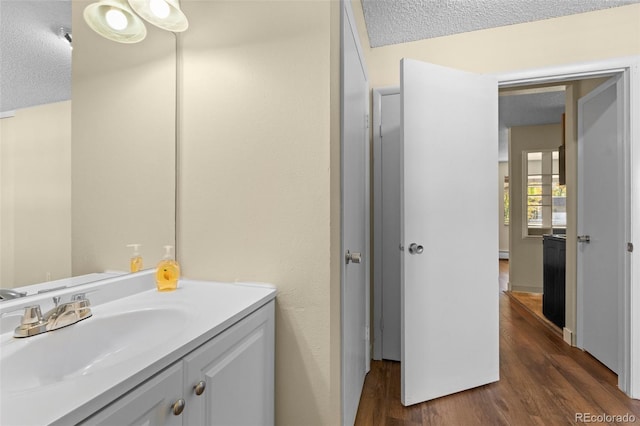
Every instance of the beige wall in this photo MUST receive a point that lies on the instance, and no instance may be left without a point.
(525, 255)
(503, 238)
(257, 188)
(35, 176)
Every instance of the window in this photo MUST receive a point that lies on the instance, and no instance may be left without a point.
(545, 201)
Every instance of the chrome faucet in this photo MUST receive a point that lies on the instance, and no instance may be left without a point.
(61, 315)
(7, 293)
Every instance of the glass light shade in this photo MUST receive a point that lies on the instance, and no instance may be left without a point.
(152, 10)
(114, 19)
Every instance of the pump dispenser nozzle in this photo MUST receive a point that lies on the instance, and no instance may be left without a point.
(135, 263)
(167, 252)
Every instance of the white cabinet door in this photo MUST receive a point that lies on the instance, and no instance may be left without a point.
(237, 368)
(149, 404)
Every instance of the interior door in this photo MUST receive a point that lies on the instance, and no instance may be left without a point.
(355, 138)
(601, 239)
(450, 235)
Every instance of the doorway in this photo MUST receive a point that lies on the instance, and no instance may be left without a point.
(512, 80)
(532, 139)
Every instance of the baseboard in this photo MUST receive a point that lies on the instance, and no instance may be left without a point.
(567, 336)
(525, 289)
(503, 254)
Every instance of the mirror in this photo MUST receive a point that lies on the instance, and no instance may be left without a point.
(111, 150)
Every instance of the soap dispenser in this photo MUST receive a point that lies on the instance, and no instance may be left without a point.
(135, 263)
(168, 272)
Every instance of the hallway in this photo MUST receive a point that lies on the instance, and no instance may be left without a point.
(543, 382)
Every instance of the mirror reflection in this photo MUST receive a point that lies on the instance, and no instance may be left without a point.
(83, 178)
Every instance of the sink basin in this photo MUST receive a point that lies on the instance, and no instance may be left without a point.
(98, 342)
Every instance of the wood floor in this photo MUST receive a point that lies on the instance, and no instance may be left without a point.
(532, 302)
(543, 381)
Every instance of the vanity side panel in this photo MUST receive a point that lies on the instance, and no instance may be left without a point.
(237, 368)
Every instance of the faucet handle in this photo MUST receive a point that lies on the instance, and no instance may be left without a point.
(82, 296)
(32, 315)
(80, 301)
(78, 296)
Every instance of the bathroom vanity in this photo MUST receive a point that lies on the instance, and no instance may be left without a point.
(203, 354)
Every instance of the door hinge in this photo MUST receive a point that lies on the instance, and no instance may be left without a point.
(366, 334)
(630, 247)
(380, 128)
(366, 121)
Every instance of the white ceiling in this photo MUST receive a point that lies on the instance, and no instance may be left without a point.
(400, 21)
(35, 62)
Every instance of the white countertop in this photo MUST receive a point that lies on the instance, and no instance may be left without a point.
(210, 308)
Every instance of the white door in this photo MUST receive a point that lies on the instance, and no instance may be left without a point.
(391, 237)
(355, 138)
(601, 246)
(450, 236)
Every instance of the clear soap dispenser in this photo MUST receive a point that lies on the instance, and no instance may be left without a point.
(135, 263)
(168, 272)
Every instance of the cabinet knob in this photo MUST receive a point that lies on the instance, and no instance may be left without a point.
(178, 407)
(200, 387)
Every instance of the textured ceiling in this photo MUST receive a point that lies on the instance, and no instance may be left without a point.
(35, 62)
(531, 109)
(527, 109)
(399, 21)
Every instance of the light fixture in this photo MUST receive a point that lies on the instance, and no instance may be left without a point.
(114, 19)
(165, 14)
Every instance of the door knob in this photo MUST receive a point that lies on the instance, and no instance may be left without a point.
(415, 248)
(584, 238)
(354, 257)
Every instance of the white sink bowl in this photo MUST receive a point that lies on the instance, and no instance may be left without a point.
(104, 340)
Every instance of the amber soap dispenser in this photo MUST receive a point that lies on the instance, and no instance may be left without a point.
(168, 272)
(135, 263)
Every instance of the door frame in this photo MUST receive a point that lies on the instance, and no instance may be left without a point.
(377, 95)
(629, 376)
